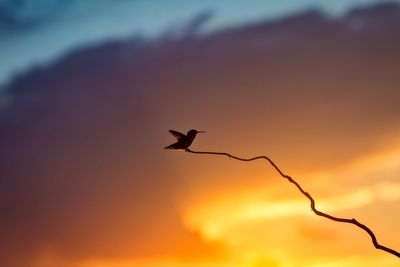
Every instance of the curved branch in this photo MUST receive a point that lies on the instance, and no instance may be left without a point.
(312, 201)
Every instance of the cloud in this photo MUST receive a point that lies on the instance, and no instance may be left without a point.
(17, 16)
(38, 33)
(82, 171)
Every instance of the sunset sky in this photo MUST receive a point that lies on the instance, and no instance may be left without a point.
(89, 90)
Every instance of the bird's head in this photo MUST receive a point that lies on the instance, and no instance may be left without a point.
(194, 132)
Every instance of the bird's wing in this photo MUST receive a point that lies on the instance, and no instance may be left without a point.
(177, 135)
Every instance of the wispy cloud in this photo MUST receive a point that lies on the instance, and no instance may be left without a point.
(52, 28)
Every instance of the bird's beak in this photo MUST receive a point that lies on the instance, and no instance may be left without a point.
(200, 131)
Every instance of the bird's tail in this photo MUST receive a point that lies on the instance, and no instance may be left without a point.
(169, 147)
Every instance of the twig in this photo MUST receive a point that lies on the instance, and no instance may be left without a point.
(312, 201)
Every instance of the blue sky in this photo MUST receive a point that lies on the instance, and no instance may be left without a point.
(40, 32)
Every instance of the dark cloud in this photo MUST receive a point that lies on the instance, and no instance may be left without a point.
(7, 21)
(81, 165)
(198, 22)
(16, 15)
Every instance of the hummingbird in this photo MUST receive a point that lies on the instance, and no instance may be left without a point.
(184, 141)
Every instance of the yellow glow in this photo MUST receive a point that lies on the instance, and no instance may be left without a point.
(215, 218)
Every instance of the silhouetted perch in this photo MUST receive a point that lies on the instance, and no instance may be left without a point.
(312, 201)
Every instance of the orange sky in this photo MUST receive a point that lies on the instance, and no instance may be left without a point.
(268, 223)
(85, 181)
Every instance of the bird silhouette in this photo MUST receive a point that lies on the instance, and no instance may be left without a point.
(184, 141)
